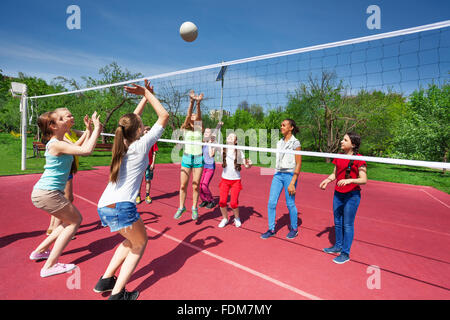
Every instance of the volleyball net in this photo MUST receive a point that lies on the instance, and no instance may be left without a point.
(341, 80)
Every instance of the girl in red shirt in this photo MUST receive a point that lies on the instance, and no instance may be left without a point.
(349, 175)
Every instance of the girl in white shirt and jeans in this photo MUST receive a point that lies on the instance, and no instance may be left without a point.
(117, 207)
(287, 171)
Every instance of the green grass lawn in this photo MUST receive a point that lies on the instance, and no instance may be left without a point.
(10, 150)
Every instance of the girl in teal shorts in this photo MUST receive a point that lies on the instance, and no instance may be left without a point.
(192, 160)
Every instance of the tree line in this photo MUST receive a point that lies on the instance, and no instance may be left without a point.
(391, 124)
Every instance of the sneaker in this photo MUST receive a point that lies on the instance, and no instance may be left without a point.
(342, 258)
(179, 213)
(237, 222)
(211, 205)
(203, 204)
(267, 234)
(40, 256)
(194, 213)
(58, 268)
(125, 295)
(333, 249)
(223, 223)
(292, 234)
(138, 199)
(148, 199)
(105, 285)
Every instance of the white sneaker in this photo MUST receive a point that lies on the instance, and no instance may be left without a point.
(237, 222)
(223, 223)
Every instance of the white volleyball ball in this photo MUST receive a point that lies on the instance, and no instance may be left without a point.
(188, 31)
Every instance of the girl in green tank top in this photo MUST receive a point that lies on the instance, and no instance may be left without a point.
(192, 161)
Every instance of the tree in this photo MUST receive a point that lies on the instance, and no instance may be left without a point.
(424, 133)
(322, 108)
(105, 101)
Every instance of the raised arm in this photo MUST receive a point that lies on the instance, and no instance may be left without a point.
(140, 107)
(86, 149)
(189, 112)
(163, 115)
(199, 98)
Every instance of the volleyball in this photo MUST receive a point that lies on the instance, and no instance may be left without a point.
(188, 31)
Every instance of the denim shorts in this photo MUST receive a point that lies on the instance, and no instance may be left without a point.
(122, 216)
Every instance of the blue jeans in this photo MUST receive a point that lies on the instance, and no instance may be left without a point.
(345, 206)
(281, 180)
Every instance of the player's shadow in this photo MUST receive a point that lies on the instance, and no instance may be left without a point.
(331, 234)
(166, 195)
(174, 260)
(102, 245)
(7, 240)
(96, 225)
(285, 221)
(154, 218)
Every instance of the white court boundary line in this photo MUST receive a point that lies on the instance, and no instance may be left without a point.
(435, 198)
(228, 261)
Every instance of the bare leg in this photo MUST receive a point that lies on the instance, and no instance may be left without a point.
(137, 237)
(71, 220)
(224, 211)
(118, 258)
(184, 178)
(196, 175)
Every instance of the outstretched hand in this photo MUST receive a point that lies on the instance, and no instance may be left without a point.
(137, 89)
(87, 122)
(199, 97)
(148, 86)
(96, 120)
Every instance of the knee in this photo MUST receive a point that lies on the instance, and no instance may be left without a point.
(234, 204)
(222, 202)
(139, 245)
(272, 204)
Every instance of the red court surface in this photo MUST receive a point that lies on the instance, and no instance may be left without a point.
(403, 230)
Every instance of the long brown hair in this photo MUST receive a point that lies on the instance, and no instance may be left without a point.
(44, 121)
(128, 128)
(237, 165)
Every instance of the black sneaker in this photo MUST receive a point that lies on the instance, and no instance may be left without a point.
(125, 295)
(203, 204)
(105, 285)
(211, 205)
(267, 234)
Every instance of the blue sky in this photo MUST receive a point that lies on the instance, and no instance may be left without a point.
(142, 36)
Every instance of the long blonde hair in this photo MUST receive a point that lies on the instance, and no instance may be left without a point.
(128, 130)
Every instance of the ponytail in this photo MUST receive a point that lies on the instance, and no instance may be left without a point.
(119, 149)
(127, 130)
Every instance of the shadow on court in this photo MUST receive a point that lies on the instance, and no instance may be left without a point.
(174, 260)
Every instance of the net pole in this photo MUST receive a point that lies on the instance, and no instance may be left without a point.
(23, 129)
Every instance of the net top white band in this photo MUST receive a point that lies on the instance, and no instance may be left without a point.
(428, 27)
